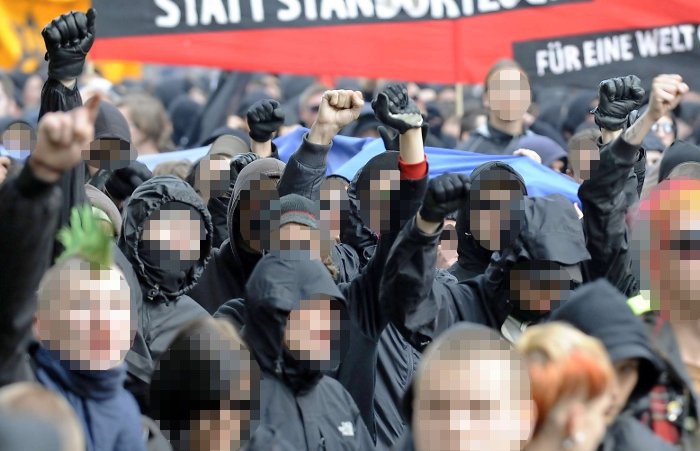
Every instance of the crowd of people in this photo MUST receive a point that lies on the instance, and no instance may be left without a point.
(242, 302)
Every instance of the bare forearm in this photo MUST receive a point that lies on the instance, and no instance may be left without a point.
(411, 146)
(637, 131)
(263, 150)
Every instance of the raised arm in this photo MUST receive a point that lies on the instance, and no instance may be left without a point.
(306, 168)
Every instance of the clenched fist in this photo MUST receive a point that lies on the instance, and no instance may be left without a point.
(68, 39)
(61, 139)
(338, 109)
(265, 117)
(666, 93)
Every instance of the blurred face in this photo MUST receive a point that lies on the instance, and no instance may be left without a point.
(584, 157)
(472, 405)
(375, 203)
(495, 214)
(19, 140)
(176, 234)
(508, 95)
(213, 176)
(297, 241)
(259, 213)
(539, 286)
(334, 199)
(217, 430)
(85, 315)
(310, 329)
(309, 111)
(31, 93)
(447, 249)
(664, 130)
(109, 154)
(626, 378)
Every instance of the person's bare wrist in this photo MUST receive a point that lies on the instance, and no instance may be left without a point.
(44, 172)
(427, 227)
(322, 134)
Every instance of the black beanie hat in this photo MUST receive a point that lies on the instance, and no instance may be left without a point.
(679, 152)
(601, 311)
(298, 209)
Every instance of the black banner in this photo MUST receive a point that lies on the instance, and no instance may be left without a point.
(152, 17)
(576, 60)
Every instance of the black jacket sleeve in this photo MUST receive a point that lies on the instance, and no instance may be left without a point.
(605, 204)
(57, 97)
(422, 307)
(29, 211)
(305, 170)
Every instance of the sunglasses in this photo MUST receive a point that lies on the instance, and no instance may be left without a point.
(665, 128)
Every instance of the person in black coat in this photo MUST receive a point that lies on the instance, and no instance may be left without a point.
(296, 327)
(599, 310)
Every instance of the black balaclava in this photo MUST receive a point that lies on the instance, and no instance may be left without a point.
(679, 152)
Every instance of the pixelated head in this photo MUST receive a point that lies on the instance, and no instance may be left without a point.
(584, 154)
(85, 314)
(26, 398)
(507, 91)
(298, 236)
(297, 319)
(205, 392)
(334, 208)
(166, 235)
(254, 208)
(447, 249)
(472, 392)
(18, 139)
(212, 176)
(572, 380)
(228, 146)
(666, 233)
(376, 184)
(539, 286)
(496, 209)
(111, 149)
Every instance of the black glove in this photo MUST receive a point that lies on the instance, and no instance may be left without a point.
(68, 39)
(618, 98)
(396, 109)
(265, 117)
(124, 181)
(239, 162)
(391, 138)
(445, 194)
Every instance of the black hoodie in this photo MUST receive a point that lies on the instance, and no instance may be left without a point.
(166, 306)
(310, 410)
(601, 311)
(472, 258)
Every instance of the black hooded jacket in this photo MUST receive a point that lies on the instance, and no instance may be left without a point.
(310, 410)
(473, 258)
(601, 311)
(166, 306)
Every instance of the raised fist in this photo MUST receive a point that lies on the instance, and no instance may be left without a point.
(445, 194)
(618, 98)
(396, 109)
(666, 93)
(68, 39)
(265, 117)
(339, 108)
(61, 138)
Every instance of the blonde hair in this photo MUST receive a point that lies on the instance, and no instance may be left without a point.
(148, 115)
(561, 361)
(39, 402)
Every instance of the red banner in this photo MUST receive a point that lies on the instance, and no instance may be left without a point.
(561, 41)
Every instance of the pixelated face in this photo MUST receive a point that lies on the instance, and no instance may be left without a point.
(495, 212)
(259, 208)
(85, 315)
(213, 176)
(19, 140)
(447, 249)
(508, 94)
(539, 285)
(109, 154)
(664, 130)
(375, 203)
(218, 430)
(626, 378)
(311, 329)
(333, 200)
(584, 157)
(678, 283)
(297, 242)
(477, 404)
(175, 233)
